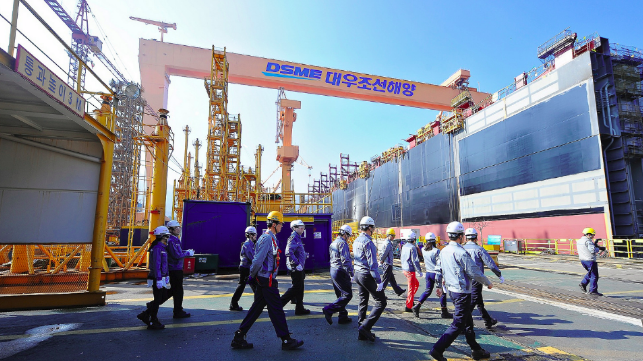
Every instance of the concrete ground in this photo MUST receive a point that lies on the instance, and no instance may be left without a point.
(531, 326)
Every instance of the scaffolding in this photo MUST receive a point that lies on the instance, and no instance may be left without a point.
(183, 188)
(128, 108)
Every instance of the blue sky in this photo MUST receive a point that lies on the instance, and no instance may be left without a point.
(423, 41)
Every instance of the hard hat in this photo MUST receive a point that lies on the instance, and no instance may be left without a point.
(296, 223)
(251, 229)
(390, 232)
(346, 229)
(161, 231)
(411, 236)
(471, 233)
(430, 237)
(455, 228)
(173, 223)
(589, 230)
(275, 216)
(367, 221)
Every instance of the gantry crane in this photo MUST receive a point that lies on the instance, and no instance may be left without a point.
(162, 26)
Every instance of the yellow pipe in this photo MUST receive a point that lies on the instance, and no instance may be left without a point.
(159, 178)
(114, 257)
(14, 27)
(102, 201)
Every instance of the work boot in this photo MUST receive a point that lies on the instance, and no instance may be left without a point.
(301, 312)
(416, 309)
(437, 356)
(181, 314)
(490, 323)
(446, 314)
(406, 309)
(145, 317)
(583, 287)
(595, 293)
(239, 341)
(155, 325)
(365, 335)
(328, 316)
(401, 294)
(344, 320)
(236, 308)
(480, 354)
(290, 343)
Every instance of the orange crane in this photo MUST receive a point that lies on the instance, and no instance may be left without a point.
(162, 26)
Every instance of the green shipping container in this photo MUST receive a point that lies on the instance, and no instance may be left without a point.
(206, 263)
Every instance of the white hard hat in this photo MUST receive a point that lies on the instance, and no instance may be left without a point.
(471, 233)
(430, 236)
(455, 228)
(367, 221)
(296, 223)
(173, 223)
(346, 229)
(161, 230)
(251, 229)
(412, 236)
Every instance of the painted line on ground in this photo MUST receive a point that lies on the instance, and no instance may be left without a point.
(223, 295)
(170, 325)
(619, 292)
(583, 310)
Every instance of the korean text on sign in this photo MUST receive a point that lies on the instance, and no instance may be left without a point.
(375, 84)
(36, 72)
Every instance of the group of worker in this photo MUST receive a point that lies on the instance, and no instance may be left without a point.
(457, 269)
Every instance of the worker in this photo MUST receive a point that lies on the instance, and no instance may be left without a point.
(410, 266)
(431, 252)
(481, 257)
(295, 261)
(458, 269)
(587, 250)
(160, 278)
(246, 255)
(368, 280)
(341, 272)
(386, 261)
(263, 271)
(175, 256)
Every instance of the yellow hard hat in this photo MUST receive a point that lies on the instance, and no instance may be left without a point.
(390, 232)
(275, 217)
(589, 230)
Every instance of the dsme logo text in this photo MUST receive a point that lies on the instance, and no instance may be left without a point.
(289, 71)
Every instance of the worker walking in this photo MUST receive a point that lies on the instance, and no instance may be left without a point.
(587, 250)
(175, 256)
(386, 261)
(481, 257)
(296, 259)
(160, 279)
(246, 255)
(368, 279)
(411, 266)
(263, 271)
(341, 272)
(430, 252)
(457, 269)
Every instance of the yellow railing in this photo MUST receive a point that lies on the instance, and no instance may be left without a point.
(617, 248)
(291, 202)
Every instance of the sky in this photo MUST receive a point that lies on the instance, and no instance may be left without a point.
(422, 41)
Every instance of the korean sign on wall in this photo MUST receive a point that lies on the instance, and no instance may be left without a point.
(38, 74)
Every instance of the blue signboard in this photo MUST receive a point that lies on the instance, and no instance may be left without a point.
(494, 240)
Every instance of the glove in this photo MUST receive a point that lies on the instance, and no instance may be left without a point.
(150, 283)
(190, 252)
(160, 284)
(167, 280)
(420, 275)
(438, 292)
(299, 268)
(380, 286)
(502, 279)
